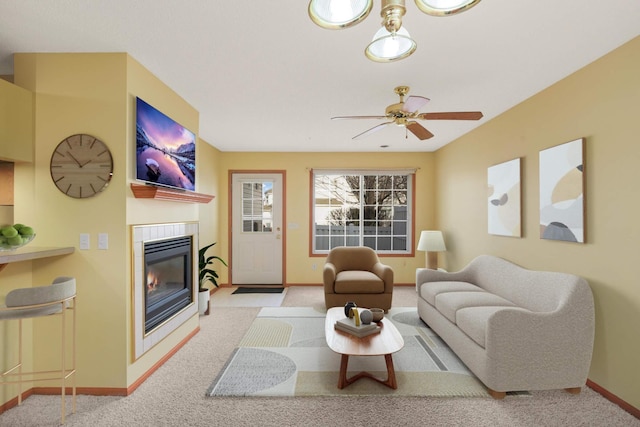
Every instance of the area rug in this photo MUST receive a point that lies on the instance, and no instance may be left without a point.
(284, 353)
(257, 290)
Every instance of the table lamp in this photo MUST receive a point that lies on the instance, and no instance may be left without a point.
(432, 242)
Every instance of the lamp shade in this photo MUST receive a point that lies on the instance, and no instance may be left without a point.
(431, 241)
(339, 14)
(445, 7)
(388, 47)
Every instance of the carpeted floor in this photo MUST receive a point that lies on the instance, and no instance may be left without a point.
(175, 394)
(284, 353)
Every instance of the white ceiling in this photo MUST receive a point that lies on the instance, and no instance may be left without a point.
(265, 78)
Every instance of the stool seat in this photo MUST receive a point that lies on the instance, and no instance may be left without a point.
(26, 303)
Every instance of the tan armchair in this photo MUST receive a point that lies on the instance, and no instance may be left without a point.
(354, 273)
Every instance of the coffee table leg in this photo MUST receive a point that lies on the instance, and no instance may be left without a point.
(342, 380)
(391, 373)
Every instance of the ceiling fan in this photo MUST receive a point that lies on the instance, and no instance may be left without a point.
(405, 113)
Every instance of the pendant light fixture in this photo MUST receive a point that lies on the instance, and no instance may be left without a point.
(392, 41)
(339, 14)
(445, 7)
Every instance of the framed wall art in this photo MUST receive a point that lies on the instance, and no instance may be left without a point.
(562, 178)
(504, 217)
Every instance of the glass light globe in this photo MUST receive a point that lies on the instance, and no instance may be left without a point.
(339, 14)
(388, 47)
(445, 7)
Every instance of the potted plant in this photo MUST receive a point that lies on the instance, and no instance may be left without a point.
(207, 274)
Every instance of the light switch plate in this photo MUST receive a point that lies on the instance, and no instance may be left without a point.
(103, 241)
(85, 242)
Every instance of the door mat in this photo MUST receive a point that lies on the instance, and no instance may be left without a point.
(265, 290)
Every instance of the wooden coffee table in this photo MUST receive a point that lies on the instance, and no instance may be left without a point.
(385, 343)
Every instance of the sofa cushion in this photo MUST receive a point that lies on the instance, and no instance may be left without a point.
(359, 282)
(429, 290)
(448, 303)
(473, 321)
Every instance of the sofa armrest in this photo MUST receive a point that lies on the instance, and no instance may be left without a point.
(566, 334)
(329, 273)
(424, 275)
(384, 272)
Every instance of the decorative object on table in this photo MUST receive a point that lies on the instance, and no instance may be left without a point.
(378, 314)
(81, 166)
(15, 236)
(355, 328)
(503, 181)
(432, 242)
(562, 178)
(347, 308)
(392, 41)
(355, 315)
(366, 316)
(206, 274)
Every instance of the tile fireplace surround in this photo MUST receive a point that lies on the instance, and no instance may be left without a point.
(145, 233)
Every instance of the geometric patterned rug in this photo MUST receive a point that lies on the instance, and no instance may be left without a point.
(284, 353)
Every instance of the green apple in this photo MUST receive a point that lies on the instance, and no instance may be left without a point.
(9, 231)
(25, 231)
(15, 240)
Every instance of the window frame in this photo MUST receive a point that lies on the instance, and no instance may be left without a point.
(410, 211)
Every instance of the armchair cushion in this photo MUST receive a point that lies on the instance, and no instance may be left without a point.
(363, 282)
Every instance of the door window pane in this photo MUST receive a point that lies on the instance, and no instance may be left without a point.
(257, 207)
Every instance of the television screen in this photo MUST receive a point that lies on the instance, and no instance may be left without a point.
(165, 150)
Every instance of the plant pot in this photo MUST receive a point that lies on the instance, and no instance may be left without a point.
(203, 302)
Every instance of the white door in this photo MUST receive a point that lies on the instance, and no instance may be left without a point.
(257, 232)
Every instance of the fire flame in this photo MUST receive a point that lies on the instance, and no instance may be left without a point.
(152, 282)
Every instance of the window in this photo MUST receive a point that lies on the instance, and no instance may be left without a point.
(362, 209)
(257, 204)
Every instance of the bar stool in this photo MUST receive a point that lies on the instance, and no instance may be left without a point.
(26, 303)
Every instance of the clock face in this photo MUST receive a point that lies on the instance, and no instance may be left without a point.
(81, 166)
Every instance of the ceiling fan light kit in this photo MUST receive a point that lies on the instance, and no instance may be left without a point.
(391, 42)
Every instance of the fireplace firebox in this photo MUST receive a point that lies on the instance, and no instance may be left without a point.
(168, 279)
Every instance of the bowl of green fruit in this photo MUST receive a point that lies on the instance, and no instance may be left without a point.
(15, 236)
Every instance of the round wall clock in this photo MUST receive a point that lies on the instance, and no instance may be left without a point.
(81, 166)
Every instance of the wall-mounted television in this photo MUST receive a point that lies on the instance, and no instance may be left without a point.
(165, 150)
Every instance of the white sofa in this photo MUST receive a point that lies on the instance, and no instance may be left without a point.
(515, 329)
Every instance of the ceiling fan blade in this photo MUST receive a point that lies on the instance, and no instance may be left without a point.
(458, 115)
(372, 130)
(414, 103)
(357, 117)
(418, 130)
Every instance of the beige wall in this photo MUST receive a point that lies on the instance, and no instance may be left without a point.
(95, 94)
(299, 265)
(600, 103)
